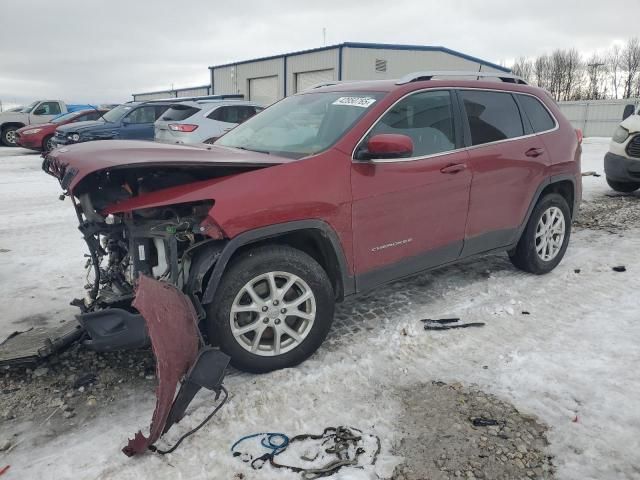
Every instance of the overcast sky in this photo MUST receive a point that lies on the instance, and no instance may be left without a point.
(105, 50)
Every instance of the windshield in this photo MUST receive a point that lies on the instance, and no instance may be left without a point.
(301, 125)
(117, 113)
(29, 107)
(64, 118)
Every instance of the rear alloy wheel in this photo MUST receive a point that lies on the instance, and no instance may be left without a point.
(623, 187)
(48, 144)
(546, 236)
(9, 136)
(273, 309)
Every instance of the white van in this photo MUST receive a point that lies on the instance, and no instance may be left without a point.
(622, 162)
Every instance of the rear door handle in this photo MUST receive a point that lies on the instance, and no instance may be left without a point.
(455, 168)
(534, 152)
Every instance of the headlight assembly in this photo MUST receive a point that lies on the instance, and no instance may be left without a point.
(31, 131)
(620, 135)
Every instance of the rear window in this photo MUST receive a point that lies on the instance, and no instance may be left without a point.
(493, 116)
(540, 118)
(233, 113)
(179, 112)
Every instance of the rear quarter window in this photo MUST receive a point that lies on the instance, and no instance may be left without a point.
(539, 117)
(492, 116)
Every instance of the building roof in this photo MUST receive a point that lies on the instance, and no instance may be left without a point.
(383, 46)
(173, 90)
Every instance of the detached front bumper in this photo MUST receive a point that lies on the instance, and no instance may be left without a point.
(621, 169)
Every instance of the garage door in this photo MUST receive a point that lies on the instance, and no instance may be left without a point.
(305, 80)
(263, 90)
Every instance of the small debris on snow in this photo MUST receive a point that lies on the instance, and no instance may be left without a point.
(591, 173)
(524, 312)
(619, 268)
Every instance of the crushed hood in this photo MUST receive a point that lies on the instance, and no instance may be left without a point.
(73, 163)
(82, 126)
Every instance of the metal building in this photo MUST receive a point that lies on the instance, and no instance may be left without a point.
(268, 79)
(175, 93)
(596, 118)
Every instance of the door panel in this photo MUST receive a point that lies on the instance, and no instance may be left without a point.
(409, 209)
(507, 169)
(410, 214)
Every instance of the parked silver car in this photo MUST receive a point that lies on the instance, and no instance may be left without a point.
(202, 121)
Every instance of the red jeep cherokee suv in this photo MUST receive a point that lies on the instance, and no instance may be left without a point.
(327, 193)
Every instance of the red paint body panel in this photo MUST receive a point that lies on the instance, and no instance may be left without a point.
(89, 157)
(504, 183)
(172, 324)
(411, 202)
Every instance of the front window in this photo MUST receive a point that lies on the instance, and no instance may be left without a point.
(301, 125)
(117, 113)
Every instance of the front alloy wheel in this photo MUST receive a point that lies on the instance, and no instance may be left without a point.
(273, 313)
(272, 309)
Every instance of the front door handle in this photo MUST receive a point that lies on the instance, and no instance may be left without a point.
(534, 152)
(455, 168)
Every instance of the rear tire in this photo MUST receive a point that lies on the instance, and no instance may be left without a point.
(8, 136)
(257, 324)
(546, 236)
(624, 187)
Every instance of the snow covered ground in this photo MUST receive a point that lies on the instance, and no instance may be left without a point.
(575, 355)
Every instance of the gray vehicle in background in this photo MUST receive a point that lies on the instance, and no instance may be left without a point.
(202, 121)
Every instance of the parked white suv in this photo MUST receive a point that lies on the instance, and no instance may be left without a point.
(622, 162)
(202, 121)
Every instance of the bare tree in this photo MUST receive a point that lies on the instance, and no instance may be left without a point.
(614, 63)
(631, 65)
(523, 67)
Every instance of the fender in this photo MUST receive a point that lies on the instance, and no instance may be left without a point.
(546, 183)
(252, 236)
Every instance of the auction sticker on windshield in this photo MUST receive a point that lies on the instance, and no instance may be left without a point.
(363, 102)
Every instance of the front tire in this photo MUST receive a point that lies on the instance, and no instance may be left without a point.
(8, 136)
(623, 187)
(273, 309)
(47, 144)
(546, 236)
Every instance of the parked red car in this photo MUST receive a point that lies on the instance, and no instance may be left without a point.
(39, 137)
(327, 193)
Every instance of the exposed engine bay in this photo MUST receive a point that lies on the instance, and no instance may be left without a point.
(161, 242)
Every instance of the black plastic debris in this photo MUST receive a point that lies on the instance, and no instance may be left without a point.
(483, 422)
(524, 312)
(619, 268)
(447, 324)
(591, 173)
(577, 270)
(85, 380)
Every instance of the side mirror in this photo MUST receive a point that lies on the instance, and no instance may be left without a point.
(126, 121)
(40, 111)
(386, 146)
(628, 111)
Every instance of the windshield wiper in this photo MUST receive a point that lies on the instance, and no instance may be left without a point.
(252, 150)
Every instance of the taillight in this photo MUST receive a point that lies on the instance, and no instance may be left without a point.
(579, 135)
(182, 127)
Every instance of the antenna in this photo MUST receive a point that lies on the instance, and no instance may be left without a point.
(324, 36)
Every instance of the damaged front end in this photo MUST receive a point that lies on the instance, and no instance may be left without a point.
(151, 246)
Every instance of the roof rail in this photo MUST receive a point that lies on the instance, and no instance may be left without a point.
(421, 76)
(324, 84)
(231, 96)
